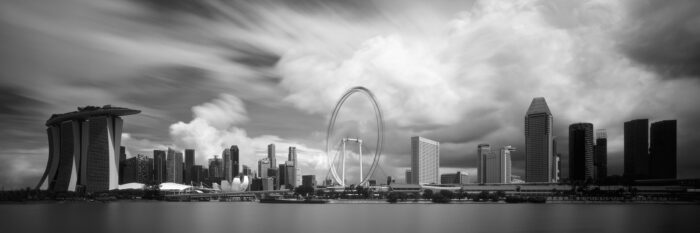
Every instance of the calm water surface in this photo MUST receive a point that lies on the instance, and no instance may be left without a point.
(352, 218)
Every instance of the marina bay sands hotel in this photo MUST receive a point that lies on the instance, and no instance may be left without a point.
(84, 149)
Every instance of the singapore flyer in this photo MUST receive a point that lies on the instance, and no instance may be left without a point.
(340, 178)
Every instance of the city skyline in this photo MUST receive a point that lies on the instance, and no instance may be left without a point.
(448, 71)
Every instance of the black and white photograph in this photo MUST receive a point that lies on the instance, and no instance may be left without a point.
(347, 116)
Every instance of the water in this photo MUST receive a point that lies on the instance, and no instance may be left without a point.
(126, 216)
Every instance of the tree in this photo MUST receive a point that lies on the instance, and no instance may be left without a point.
(428, 194)
(304, 190)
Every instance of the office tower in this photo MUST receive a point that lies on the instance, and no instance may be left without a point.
(197, 174)
(482, 151)
(235, 162)
(425, 160)
(282, 176)
(247, 171)
(454, 178)
(83, 147)
(256, 184)
(558, 167)
(297, 175)
(290, 175)
(122, 158)
(663, 149)
(600, 155)
(555, 161)
(538, 142)
(272, 172)
(636, 149)
(228, 164)
(263, 165)
(216, 169)
(580, 151)
(159, 167)
(268, 183)
(408, 176)
(292, 154)
(174, 169)
(498, 166)
(189, 163)
(271, 155)
(308, 180)
(137, 169)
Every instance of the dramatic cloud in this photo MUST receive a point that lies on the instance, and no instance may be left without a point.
(211, 74)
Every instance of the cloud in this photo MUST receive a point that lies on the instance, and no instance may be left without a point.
(216, 126)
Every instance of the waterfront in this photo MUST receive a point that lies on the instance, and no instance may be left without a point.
(145, 216)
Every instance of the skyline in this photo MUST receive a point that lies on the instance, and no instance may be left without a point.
(211, 76)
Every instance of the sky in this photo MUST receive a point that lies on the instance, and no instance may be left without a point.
(210, 74)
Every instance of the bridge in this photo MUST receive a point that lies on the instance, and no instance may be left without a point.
(223, 196)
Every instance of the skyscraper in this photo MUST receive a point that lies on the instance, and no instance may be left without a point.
(637, 149)
(498, 166)
(189, 164)
(408, 176)
(216, 169)
(663, 149)
(290, 175)
(282, 176)
(482, 151)
(292, 154)
(580, 151)
(83, 147)
(425, 160)
(556, 169)
(271, 155)
(263, 165)
(228, 164)
(600, 155)
(234, 161)
(174, 166)
(137, 169)
(122, 165)
(538, 142)
(159, 166)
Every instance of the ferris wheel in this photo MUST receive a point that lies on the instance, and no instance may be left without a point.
(340, 178)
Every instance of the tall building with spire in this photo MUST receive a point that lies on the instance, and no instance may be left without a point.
(538, 142)
(84, 149)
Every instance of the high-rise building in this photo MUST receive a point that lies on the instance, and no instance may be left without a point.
(263, 165)
(308, 180)
(271, 155)
(268, 183)
(292, 154)
(556, 169)
(189, 163)
(282, 176)
(174, 169)
(122, 165)
(228, 164)
(272, 172)
(247, 171)
(663, 149)
(600, 154)
(83, 147)
(454, 178)
(216, 169)
(235, 162)
(137, 169)
(408, 176)
(482, 151)
(637, 149)
(290, 175)
(538, 142)
(425, 160)
(159, 166)
(498, 166)
(580, 152)
(197, 174)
